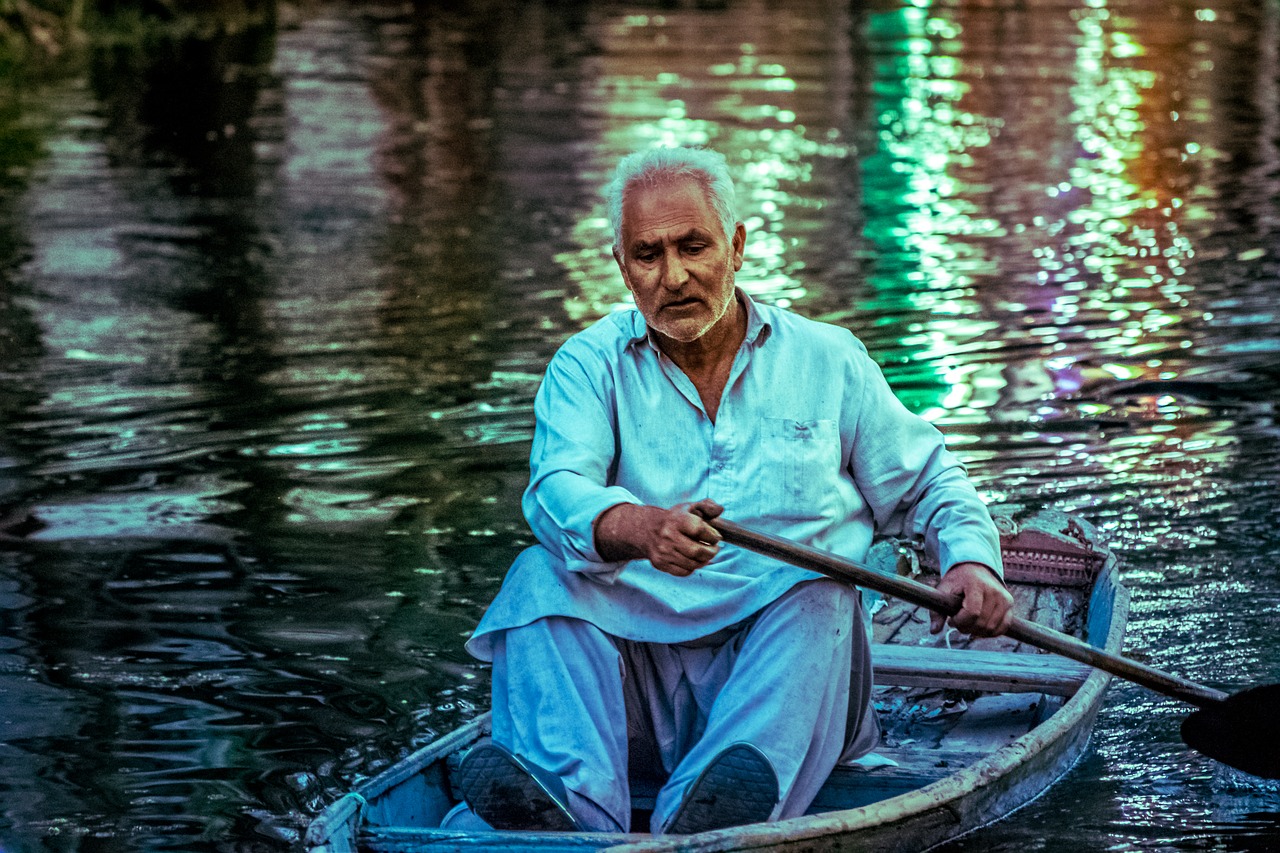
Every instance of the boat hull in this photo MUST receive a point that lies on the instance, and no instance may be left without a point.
(1008, 764)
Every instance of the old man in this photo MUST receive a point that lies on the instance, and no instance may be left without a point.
(629, 641)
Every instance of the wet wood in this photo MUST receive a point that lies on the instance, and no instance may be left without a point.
(973, 730)
(972, 669)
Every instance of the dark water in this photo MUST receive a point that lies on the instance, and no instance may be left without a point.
(277, 292)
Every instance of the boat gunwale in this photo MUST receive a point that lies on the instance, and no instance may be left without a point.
(340, 814)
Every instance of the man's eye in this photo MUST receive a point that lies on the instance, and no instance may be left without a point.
(694, 248)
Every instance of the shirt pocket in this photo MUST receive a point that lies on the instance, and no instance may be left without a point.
(806, 460)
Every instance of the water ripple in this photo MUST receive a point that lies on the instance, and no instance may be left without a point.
(271, 340)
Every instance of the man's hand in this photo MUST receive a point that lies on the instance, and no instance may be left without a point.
(988, 606)
(677, 541)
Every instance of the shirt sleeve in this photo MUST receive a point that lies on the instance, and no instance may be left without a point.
(914, 486)
(572, 460)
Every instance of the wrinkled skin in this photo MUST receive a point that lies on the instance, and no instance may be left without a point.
(677, 541)
(988, 606)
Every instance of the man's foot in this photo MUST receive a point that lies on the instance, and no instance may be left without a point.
(738, 787)
(508, 792)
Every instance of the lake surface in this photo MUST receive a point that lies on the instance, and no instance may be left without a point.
(276, 294)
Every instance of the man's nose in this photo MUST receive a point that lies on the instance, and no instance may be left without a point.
(674, 275)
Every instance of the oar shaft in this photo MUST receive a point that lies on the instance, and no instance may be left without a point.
(1035, 634)
(924, 595)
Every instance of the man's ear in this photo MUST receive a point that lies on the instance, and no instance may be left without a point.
(739, 244)
(622, 268)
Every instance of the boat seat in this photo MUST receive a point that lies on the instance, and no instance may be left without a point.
(971, 669)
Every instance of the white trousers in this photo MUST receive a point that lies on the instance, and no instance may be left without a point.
(590, 707)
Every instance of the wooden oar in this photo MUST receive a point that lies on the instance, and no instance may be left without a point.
(1237, 730)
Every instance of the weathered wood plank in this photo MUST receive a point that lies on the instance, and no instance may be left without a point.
(905, 624)
(400, 792)
(992, 722)
(1059, 609)
(972, 669)
(889, 623)
(853, 787)
(410, 840)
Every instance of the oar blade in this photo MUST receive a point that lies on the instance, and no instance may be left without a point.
(1241, 731)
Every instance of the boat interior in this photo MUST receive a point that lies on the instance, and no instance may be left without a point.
(944, 702)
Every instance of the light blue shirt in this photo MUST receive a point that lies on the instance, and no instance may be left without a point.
(809, 443)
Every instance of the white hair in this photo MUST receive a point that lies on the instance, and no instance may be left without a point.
(658, 166)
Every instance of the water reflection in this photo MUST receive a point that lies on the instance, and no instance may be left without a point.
(147, 88)
(271, 339)
(754, 87)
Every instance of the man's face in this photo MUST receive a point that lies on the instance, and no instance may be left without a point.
(676, 260)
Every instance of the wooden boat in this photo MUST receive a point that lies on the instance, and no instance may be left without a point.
(973, 729)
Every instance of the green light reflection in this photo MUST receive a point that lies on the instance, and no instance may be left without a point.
(929, 236)
(730, 88)
(1097, 204)
(1116, 248)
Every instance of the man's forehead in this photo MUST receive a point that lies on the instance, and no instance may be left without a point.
(680, 205)
(667, 187)
(659, 234)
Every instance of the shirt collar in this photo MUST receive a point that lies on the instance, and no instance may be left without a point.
(757, 326)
